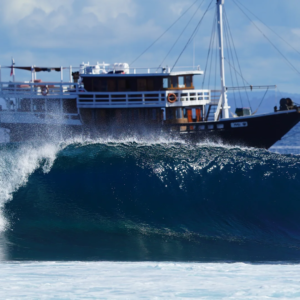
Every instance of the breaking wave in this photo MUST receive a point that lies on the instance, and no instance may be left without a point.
(148, 200)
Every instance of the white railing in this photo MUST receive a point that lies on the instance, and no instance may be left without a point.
(90, 69)
(37, 89)
(215, 96)
(66, 90)
(142, 99)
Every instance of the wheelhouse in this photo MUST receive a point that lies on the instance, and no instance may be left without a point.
(127, 83)
(121, 97)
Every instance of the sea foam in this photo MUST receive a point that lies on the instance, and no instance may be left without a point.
(109, 280)
(17, 163)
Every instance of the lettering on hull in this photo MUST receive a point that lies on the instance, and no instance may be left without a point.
(239, 124)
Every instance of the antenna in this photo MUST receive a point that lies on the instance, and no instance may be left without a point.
(194, 53)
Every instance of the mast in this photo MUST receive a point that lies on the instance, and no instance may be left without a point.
(225, 106)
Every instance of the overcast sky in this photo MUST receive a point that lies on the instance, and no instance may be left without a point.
(68, 32)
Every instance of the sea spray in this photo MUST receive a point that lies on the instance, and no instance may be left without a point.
(17, 162)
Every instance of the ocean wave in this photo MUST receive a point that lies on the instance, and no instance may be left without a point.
(149, 199)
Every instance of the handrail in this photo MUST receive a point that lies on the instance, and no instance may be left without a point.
(34, 88)
(140, 70)
(141, 98)
(251, 87)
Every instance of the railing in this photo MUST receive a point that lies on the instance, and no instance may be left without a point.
(215, 97)
(90, 69)
(38, 89)
(142, 99)
(89, 99)
(66, 90)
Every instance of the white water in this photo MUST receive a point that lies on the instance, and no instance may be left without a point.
(107, 280)
(16, 164)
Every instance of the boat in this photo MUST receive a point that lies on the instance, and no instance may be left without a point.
(116, 99)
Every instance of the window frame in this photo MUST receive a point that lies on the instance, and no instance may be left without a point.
(171, 79)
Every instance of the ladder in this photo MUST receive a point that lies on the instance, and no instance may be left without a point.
(213, 105)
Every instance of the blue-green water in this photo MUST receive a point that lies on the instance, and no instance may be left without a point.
(160, 200)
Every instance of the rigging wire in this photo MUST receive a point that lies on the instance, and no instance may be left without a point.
(229, 50)
(216, 58)
(238, 62)
(237, 72)
(211, 63)
(232, 56)
(181, 34)
(212, 36)
(269, 28)
(193, 34)
(261, 101)
(287, 61)
(164, 32)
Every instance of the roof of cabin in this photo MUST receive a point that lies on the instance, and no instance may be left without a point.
(180, 73)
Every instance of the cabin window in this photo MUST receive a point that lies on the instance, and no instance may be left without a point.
(121, 85)
(175, 82)
(166, 83)
(188, 81)
(103, 84)
(142, 84)
(97, 85)
(111, 85)
(181, 82)
(128, 85)
(150, 84)
(88, 84)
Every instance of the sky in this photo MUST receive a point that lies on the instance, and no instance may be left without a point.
(69, 32)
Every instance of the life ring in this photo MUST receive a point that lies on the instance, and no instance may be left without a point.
(45, 90)
(173, 96)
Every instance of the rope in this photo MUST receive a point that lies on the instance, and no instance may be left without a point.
(270, 28)
(228, 46)
(261, 101)
(216, 58)
(287, 61)
(215, 40)
(236, 77)
(193, 34)
(181, 33)
(238, 62)
(237, 71)
(212, 36)
(164, 33)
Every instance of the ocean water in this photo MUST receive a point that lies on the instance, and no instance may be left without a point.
(149, 218)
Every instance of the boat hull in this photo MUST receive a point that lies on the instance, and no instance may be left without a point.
(260, 131)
